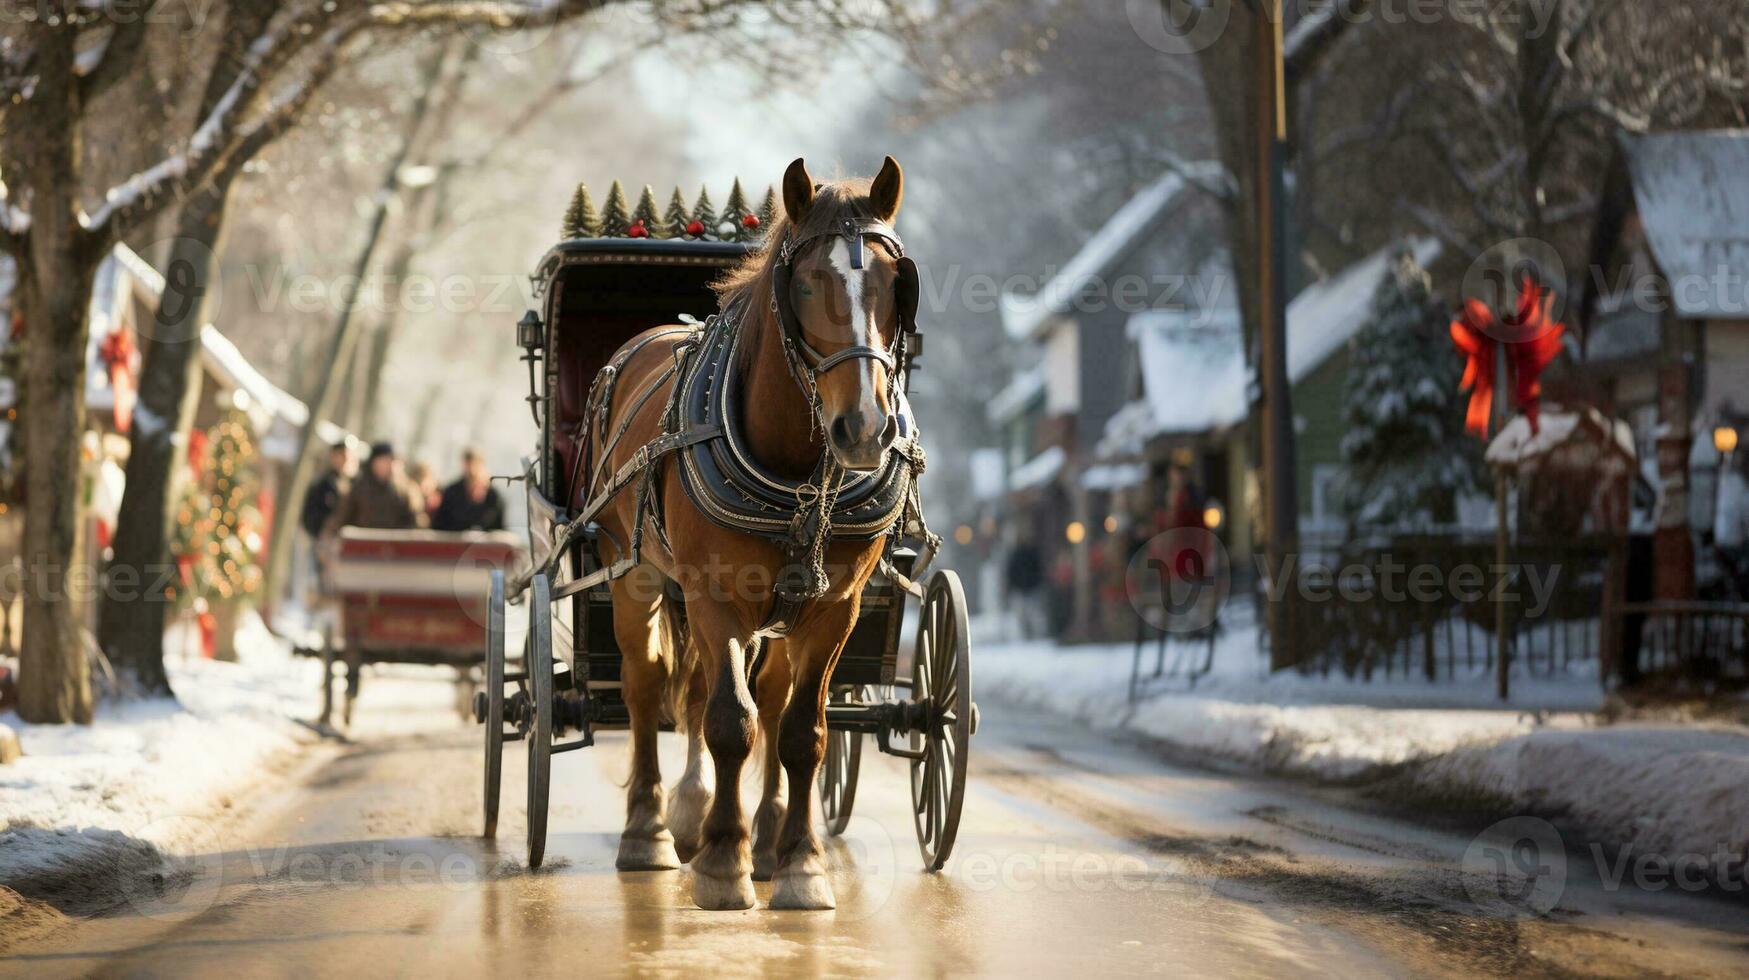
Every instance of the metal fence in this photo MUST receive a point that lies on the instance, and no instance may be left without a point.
(1427, 605)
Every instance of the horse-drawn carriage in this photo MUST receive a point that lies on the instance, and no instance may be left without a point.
(409, 597)
(604, 301)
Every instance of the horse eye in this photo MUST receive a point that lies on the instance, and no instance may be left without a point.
(804, 289)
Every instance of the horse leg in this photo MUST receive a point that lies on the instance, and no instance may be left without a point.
(771, 696)
(801, 882)
(646, 844)
(692, 796)
(721, 877)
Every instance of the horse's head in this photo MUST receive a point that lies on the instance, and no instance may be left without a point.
(849, 293)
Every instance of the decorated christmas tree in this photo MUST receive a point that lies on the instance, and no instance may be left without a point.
(1405, 454)
(705, 213)
(732, 226)
(644, 215)
(580, 219)
(217, 539)
(767, 209)
(614, 219)
(11, 432)
(675, 220)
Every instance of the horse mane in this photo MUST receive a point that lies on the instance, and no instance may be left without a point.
(751, 279)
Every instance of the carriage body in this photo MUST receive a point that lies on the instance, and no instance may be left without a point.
(411, 597)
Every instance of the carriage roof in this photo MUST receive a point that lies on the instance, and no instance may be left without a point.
(610, 254)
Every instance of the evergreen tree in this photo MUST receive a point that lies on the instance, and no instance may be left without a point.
(1404, 449)
(732, 226)
(645, 212)
(674, 222)
(580, 220)
(217, 541)
(614, 219)
(705, 213)
(768, 209)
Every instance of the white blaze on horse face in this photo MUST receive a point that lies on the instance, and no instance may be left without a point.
(862, 325)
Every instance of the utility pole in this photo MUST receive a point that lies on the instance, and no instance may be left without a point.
(1281, 488)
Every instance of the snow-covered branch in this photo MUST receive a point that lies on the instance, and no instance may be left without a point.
(103, 65)
(318, 34)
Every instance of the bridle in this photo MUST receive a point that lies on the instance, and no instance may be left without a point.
(807, 363)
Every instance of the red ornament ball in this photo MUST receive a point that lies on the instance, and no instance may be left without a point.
(695, 228)
(750, 221)
(638, 231)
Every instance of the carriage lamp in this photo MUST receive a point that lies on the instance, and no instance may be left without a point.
(1725, 439)
(528, 332)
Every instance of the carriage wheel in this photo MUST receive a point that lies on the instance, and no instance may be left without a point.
(941, 676)
(540, 729)
(492, 701)
(839, 769)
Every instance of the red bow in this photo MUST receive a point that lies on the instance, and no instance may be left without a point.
(117, 352)
(1532, 340)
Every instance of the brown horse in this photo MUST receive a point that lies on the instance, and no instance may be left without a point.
(844, 308)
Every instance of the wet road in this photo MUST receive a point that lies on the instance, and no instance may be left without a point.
(1077, 853)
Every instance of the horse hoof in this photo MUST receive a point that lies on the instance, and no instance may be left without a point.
(722, 894)
(803, 891)
(646, 854)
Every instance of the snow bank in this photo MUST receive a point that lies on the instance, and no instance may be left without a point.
(148, 772)
(1660, 788)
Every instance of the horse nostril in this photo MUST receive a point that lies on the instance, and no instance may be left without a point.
(889, 432)
(841, 432)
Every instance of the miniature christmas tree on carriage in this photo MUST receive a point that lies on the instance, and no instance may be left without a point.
(739, 221)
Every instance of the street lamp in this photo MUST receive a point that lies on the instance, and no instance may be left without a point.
(1725, 439)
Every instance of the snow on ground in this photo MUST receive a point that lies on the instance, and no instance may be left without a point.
(149, 773)
(1666, 789)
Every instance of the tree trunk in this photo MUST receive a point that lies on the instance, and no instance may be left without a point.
(57, 267)
(131, 629)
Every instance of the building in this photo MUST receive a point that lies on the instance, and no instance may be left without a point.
(1667, 337)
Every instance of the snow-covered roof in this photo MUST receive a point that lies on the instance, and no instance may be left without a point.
(1516, 444)
(1113, 476)
(987, 466)
(1039, 470)
(1016, 395)
(1175, 347)
(277, 416)
(1692, 191)
(1025, 315)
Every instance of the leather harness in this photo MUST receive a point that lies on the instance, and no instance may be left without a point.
(719, 475)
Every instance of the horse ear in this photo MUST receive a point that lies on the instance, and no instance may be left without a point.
(798, 191)
(887, 190)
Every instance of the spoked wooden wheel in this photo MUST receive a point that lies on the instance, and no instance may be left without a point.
(839, 769)
(942, 678)
(489, 704)
(539, 731)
